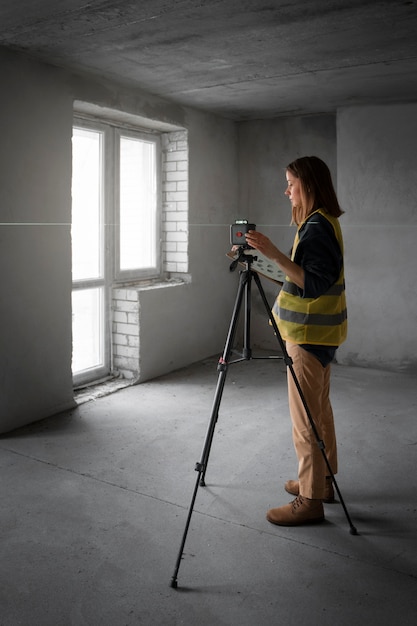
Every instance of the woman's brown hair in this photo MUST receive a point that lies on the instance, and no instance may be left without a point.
(317, 187)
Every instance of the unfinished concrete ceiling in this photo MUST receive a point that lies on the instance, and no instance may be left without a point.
(242, 59)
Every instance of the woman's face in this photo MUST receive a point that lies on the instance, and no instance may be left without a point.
(293, 190)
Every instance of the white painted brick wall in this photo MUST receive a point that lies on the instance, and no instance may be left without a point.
(126, 332)
(175, 202)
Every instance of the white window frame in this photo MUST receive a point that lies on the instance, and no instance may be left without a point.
(109, 235)
(101, 371)
(138, 273)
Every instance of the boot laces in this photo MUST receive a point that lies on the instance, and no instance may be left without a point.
(297, 503)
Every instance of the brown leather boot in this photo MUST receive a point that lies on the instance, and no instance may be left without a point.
(293, 487)
(300, 511)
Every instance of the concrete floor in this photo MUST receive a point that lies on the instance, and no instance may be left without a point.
(94, 504)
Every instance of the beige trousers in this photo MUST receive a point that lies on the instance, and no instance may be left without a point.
(314, 380)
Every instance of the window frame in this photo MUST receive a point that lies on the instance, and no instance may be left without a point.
(103, 280)
(137, 274)
(111, 275)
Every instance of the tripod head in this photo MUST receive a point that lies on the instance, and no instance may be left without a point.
(246, 255)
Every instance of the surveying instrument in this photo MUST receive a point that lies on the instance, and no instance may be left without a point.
(249, 258)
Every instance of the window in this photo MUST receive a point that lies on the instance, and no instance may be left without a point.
(138, 215)
(115, 231)
(129, 228)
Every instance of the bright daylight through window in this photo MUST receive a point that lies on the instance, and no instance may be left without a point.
(115, 232)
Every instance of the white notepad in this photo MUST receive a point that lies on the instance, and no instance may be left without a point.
(262, 265)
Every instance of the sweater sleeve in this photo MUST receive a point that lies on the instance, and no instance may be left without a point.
(318, 253)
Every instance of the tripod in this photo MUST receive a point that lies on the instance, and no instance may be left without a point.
(244, 291)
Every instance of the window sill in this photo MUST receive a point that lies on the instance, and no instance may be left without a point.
(156, 283)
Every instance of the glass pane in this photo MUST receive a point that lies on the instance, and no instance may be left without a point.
(87, 323)
(137, 204)
(86, 204)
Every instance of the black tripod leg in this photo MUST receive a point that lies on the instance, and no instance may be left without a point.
(222, 367)
(223, 364)
(247, 350)
(288, 362)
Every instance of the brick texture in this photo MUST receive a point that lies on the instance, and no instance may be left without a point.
(175, 201)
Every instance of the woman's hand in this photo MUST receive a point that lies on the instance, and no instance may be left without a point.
(264, 245)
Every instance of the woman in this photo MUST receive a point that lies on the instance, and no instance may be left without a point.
(310, 312)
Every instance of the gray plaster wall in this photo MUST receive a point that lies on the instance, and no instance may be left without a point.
(371, 152)
(179, 325)
(377, 164)
(35, 244)
(266, 147)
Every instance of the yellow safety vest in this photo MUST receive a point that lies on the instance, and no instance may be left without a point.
(315, 321)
